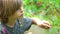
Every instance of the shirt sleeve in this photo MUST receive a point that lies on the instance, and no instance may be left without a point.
(27, 22)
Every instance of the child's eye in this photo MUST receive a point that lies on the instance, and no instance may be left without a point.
(21, 10)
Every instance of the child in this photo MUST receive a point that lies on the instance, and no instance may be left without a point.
(12, 20)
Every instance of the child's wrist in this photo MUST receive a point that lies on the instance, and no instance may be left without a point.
(36, 21)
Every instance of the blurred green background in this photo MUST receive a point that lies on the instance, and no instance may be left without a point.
(44, 10)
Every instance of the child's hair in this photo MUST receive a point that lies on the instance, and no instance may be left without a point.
(8, 8)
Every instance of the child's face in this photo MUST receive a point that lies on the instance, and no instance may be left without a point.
(18, 14)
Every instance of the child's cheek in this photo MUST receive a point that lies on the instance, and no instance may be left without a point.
(19, 14)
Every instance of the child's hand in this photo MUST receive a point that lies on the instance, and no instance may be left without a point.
(43, 24)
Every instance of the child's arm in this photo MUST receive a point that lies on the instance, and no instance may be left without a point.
(44, 24)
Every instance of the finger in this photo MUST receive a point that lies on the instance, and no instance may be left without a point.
(45, 26)
(46, 22)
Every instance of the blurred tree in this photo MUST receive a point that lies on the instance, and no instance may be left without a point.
(44, 9)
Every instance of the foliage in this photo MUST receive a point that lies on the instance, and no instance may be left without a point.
(45, 10)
